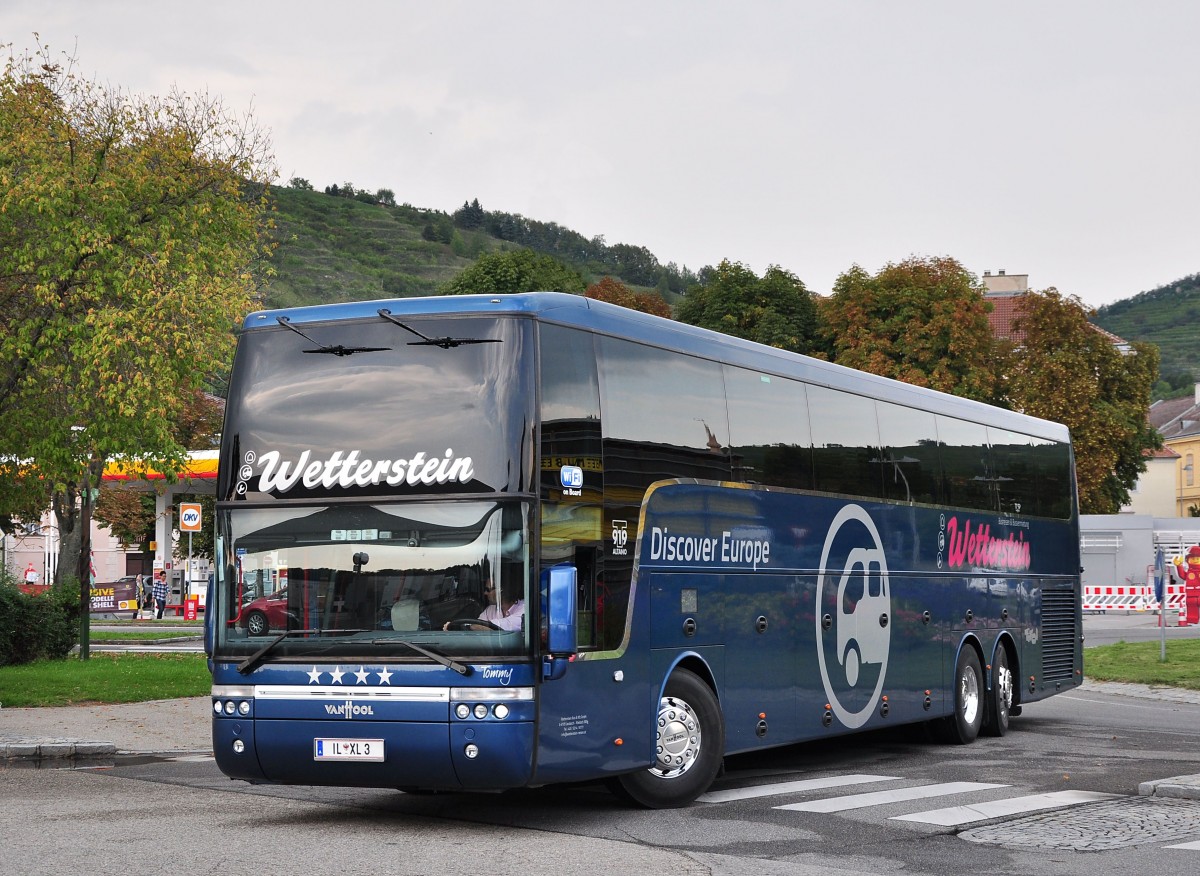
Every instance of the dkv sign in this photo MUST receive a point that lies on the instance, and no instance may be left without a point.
(189, 517)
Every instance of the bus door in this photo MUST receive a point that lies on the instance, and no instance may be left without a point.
(597, 716)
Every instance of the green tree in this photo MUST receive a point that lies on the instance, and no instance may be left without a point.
(615, 292)
(1068, 371)
(522, 270)
(130, 229)
(776, 309)
(923, 321)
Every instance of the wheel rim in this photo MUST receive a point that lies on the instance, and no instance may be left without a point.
(969, 696)
(679, 738)
(256, 625)
(1004, 681)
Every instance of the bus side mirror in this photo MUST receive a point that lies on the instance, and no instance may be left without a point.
(560, 614)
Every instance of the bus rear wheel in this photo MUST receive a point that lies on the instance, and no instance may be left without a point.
(962, 727)
(1000, 697)
(690, 746)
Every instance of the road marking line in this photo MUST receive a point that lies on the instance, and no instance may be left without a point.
(955, 815)
(1193, 846)
(879, 798)
(790, 787)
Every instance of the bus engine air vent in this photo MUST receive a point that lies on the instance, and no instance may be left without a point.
(1059, 610)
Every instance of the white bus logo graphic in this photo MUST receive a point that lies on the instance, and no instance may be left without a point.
(860, 638)
(862, 633)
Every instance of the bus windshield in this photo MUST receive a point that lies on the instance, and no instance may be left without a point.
(359, 580)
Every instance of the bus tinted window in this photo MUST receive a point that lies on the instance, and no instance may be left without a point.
(1053, 478)
(911, 463)
(768, 429)
(664, 415)
(572, 522)
(846, 454)
(1032, 474)
(966, 466)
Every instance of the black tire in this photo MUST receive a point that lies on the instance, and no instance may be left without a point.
(257, 624)
(690, 747)
(1000, 697)
(962, 727)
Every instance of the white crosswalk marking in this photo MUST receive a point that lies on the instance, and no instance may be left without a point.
(790, 787)
(878, 798)
(956, 815)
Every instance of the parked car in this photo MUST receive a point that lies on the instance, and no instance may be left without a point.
(260, 616)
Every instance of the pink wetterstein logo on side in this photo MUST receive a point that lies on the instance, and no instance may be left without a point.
(972, 545)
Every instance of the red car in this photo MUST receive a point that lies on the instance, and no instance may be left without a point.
(266, 613)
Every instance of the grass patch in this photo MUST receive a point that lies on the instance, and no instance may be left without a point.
(105, 678)
(1141, 663)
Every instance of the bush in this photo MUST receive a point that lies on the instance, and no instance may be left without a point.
(37, 627)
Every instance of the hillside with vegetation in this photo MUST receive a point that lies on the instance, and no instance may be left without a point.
(1168, 317)
(343, 244)
(348, 245)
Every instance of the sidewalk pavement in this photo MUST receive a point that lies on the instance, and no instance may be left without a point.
(160, 726)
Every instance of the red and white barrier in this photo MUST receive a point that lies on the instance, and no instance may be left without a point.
(1135, 597)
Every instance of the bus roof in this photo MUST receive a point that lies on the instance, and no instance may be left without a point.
(598, 316)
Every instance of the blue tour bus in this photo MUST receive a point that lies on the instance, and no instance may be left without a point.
(487, 542)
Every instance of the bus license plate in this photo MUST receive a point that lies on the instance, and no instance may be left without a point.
(348, 749)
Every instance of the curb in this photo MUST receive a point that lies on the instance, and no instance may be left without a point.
(1178, 787)
(51, 748)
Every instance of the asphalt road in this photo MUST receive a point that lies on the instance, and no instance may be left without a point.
(929, 809)
(795, 810)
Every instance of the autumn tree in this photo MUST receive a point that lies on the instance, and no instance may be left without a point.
(130, 228)
(1067, 370)
(521, 270)
(923, 321)
(775, 309)
(615, 292)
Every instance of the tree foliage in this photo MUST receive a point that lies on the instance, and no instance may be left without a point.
(615, 292)
(1068, 371)
(776, 309)
(522, 270)
(923, 321)
(130, 229)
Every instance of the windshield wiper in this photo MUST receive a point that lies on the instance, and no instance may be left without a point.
(460, 668)
(426, 341)
(254, 659)
(337, 350)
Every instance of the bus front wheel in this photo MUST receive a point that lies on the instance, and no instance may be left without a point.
(689, 747)
(963, 726)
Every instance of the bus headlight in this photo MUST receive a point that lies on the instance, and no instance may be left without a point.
(500, 711)
(462, 710)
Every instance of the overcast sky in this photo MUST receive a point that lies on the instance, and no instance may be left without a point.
(1057, 139)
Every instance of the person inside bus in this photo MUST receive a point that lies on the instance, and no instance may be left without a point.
(501, 612)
